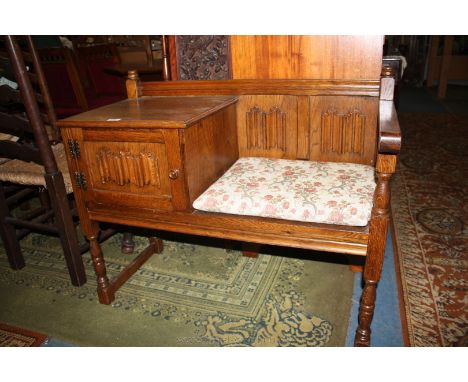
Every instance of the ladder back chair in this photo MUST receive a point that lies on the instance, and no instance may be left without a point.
(31, 164)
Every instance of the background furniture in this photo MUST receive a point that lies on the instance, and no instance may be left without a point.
(77, 79)
(37, 165)
(64, 82)
(448, 60)
(173, 139)
(93, 61)
(141, 53)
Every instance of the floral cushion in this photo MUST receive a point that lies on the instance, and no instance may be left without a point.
(320, 192)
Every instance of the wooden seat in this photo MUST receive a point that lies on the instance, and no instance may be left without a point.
(296, 98)
(32, 162)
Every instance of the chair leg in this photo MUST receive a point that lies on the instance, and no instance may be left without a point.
(8, 235)
(44, 198)
(67, 232)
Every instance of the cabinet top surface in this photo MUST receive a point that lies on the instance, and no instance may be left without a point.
(145, 112)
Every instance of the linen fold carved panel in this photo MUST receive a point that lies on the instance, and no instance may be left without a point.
(343, 133)
(140, 169)
(343, 129)
(266, 130)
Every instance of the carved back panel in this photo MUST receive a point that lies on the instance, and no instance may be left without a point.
(343, 129)
(267, 126)
(323, 128)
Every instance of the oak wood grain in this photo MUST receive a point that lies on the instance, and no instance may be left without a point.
(210, 148)
(389, 129)
(294, 57)
(364, 87)
(321, 237)
(157, 112)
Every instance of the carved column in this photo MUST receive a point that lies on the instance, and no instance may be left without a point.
(376, 247)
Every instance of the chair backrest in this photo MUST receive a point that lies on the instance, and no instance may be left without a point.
(22, 51)
(39, 85)
(64, 81)
(93, 62)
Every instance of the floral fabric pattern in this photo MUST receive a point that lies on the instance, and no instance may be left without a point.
(319, 192)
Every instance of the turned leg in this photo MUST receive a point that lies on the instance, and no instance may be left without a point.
(157, 243)
(375, 249)
(250, 250)
(128, 244)
(356, 263)
(104, 289)
(251, 254)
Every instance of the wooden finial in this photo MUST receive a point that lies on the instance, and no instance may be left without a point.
(133, 84)
(132, 75)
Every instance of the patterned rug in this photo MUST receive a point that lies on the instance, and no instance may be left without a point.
(11, 336)
(430, 218)
(190, 295)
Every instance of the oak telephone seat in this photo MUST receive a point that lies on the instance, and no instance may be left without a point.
(327, 149)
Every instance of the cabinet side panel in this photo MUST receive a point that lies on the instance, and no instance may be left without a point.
(210, 149)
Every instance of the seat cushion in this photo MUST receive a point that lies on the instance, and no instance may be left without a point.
(319, 192)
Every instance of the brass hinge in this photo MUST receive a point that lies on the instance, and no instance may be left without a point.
(74, 148)
(80, 179)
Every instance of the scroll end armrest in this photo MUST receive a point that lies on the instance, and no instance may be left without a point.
(389, 129)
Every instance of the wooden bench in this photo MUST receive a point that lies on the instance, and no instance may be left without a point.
(144, 161)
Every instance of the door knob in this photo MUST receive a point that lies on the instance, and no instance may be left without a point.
(174, 174)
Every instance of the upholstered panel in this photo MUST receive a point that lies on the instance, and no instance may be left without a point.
(320, 192)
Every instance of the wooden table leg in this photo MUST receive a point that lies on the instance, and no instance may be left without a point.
(128, 244)
(250, 250)
(105, 291)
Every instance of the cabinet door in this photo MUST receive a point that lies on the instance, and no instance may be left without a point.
(131, 168)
